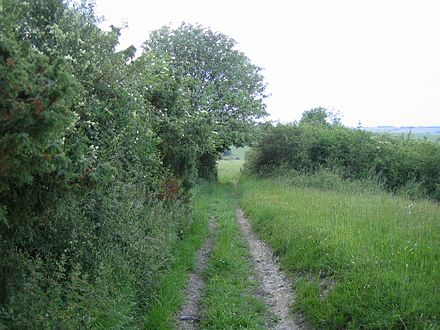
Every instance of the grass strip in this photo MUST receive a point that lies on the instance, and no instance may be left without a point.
(170, 296)
(365, 260)
(229, 299)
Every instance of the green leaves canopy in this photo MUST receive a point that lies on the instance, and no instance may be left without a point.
(219, 79)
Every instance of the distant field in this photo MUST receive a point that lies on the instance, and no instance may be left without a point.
(430, 133)
(363, 260)
(236, 153)
(434, 130)
(229, 166)
(229, 169)
(429, 137)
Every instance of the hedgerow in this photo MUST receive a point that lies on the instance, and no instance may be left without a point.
(397, 163)
(99, 151)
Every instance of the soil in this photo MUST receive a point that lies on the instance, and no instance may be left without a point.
(276, 290)
(191, 312)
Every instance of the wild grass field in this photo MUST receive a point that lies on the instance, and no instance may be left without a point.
(360, 260)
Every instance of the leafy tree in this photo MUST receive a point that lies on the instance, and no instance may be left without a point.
(90, 140)
(320, 117)
(219, 81)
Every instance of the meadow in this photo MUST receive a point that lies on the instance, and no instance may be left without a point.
(358, 260)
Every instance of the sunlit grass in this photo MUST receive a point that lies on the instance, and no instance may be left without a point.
(382, 253)
(229, 169)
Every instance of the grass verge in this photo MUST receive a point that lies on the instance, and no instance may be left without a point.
(170, 297)
(364, 260)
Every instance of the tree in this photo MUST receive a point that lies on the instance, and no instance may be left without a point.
(219, 81)
(320, 117)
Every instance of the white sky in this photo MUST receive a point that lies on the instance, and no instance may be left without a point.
(375, 61)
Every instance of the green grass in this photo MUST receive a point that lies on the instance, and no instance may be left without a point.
(170, 297)
(229, 300)
(364, 260)
(229, 169)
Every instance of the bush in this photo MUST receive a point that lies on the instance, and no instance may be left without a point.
(83, 233)
(97, 262)
(98, 155)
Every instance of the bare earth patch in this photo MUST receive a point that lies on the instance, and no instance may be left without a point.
(276, 289)
(191, 312)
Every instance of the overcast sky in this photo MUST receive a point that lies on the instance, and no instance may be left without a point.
(375, 61)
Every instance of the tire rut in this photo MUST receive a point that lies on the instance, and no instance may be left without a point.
(277, 293)
(191, 312)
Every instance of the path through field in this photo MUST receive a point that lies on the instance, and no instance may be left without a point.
(274, 289)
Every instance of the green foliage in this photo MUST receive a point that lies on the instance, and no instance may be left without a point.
(399, 164)
(319, 117)
(35, 112)
(94, 263)
(223, 91)
(98, 154)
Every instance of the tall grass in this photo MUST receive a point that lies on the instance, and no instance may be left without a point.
(364, 260)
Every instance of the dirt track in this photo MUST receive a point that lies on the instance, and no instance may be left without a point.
(191, 312)
(276, 289)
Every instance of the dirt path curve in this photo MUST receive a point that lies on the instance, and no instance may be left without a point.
(277, 292)
(191, 312)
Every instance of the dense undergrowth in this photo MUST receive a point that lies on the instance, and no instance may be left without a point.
(93, 264)
(99, 153)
